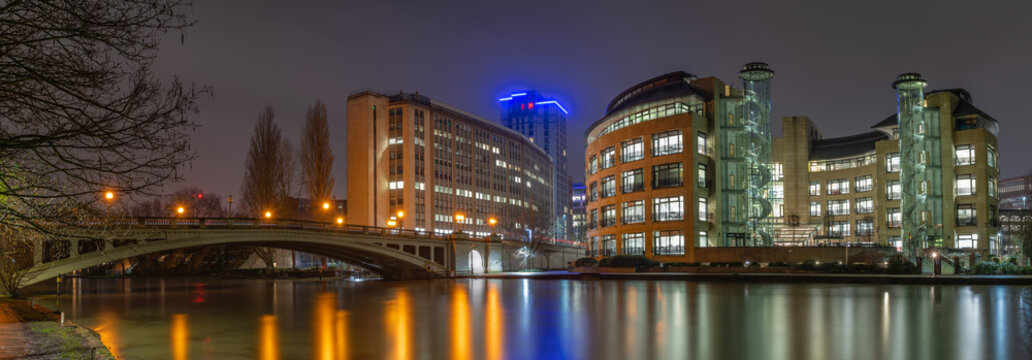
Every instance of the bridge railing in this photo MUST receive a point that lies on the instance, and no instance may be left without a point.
(258, 223)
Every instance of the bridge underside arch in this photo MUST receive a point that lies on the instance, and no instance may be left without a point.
(367, 253)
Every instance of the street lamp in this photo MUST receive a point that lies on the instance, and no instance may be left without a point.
(340, 220)
(109, 196)
(180, 210)
(326, 205)
(268, 214)
(230, 199)
(459, 218)
(492, 222)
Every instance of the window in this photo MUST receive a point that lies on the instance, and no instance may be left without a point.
(701, 140)
(865, 205)
(892, 162)
(632, 150)
(632, 181)
(634, 212)
(669, 242)
(896, 242)
(666, 175)
(703, 213)
(864, 183)
(608, 157)
(592, 192)
(893, 218)
(665, 143)
(668, 208)
(815, 208)
(593, 165)
(815, 188)
(864, 227)
(838, 186)
(608, 245)
(990, 154)
(964, 155)
(593, 222)
(892, 190)
(838, 207)
(966, 215)
(965, 184)
(608, 216)
(838, 228)
(701, 176)
(609, 186)
(702, 240)
(633, 244)
(967, 241)
(992, 186)
(779, 172)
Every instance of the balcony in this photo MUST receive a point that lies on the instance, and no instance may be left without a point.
(634, 219)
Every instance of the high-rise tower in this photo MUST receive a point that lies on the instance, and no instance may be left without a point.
(543, 121)
(920, 165)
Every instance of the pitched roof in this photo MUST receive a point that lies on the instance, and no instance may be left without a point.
(847, 146)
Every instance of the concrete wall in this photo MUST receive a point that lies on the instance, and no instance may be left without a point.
(790, 254)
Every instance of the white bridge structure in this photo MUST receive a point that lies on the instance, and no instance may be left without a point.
(391, 252)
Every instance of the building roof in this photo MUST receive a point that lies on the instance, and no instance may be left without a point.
(964, 107)
(843, 147)
(666, 86)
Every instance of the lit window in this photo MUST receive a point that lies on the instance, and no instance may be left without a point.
(703, 209)
(892, 162)
(966, 215)
(632, 150)
(965, 184)
(608, 157)
(668, 208)
(964, 155)
(967, 241)
(667, 175)
(863, 183)
(864, 205)
(838, 186)
(701, 140)
(894, 218)
(633, 244)
(815, 188)
(633, 212)
(815, 208)
(838, 207)
(892, 190)
(670, 242)
(665, 143)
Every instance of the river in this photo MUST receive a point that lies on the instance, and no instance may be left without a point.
(548, 319)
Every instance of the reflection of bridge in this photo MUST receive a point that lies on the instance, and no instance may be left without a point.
(393, 253)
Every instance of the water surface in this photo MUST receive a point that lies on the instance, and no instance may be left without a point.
(549, 319)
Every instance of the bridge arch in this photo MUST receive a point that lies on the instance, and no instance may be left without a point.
(388, 256)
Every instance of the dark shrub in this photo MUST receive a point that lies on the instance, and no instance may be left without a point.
(754, 264)
(808, 265)
(861, 269)
(675, 264)
(901, 266)
(779, 264)
(585, 262)
(986, 268)
(627, 261)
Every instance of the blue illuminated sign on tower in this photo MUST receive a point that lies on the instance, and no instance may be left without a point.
(543, 121)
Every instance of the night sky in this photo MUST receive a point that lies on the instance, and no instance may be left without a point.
(834, 62)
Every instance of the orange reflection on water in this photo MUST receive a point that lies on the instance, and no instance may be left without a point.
(495, 332)
(108, 331)
(398, 321)
(460, 323)
(180, 337)
(268, 339)
(342, 334)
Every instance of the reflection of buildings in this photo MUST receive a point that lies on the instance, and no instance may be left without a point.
(579, 199)
(680, 162)
(543, 121)
(432, 161)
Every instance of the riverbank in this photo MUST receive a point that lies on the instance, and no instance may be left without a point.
(776, 277)
(32, 332)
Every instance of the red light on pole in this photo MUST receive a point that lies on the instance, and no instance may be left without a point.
(530, 105)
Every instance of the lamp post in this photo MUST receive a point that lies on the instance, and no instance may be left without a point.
(459, 218)
(487, 256)
(401, 216)
(230, 200)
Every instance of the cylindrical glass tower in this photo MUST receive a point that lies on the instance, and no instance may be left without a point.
(920, 173)
(756, 126)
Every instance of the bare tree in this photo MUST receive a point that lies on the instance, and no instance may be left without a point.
(317, 159)
(269, 176)
(195, 202)
(531, 235)
(80, 111)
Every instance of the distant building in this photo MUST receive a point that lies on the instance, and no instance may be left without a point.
(1011, 221)
(580, 225)
(1015, 193)
(430, 161)
(543, 121)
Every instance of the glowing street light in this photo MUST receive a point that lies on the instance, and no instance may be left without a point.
(340, 220)
(326, 205)
(492, 221)
(109, 196)
(460, 217)
(401, 214)
(180, 210)
(268, 214)
(392, 223)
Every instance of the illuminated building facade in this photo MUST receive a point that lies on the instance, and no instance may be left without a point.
(543, 121)
(927, 174)
(430, 161)
(579, 199)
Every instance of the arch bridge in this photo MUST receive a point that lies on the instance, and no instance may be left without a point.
(391, 252)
